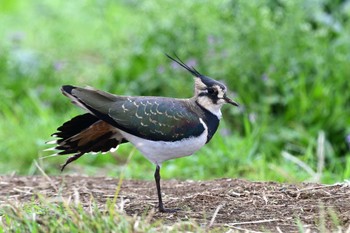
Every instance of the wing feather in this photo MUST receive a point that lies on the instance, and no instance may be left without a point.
(156, 118)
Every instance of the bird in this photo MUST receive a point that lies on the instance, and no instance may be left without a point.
(161, 128)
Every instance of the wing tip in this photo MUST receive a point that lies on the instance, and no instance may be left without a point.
(67, 89)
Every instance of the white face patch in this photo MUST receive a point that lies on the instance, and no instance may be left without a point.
(199, 86)
(208, 104)
(210, 97)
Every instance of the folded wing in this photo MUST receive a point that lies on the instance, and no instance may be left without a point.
(147, 117)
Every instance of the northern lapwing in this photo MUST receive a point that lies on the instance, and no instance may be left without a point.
(160, 128)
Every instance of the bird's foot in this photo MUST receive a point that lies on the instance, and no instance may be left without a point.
(165, 210)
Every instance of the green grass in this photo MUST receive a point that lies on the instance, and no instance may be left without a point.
(63, 216)
(286, 63)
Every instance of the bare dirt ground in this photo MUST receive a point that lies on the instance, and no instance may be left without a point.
(232, 203)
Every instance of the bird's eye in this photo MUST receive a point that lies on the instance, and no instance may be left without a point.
(211, 91)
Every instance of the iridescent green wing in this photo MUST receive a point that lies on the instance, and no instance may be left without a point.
(153, 118)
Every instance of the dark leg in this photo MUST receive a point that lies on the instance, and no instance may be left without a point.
(71, 159)
(161, 207)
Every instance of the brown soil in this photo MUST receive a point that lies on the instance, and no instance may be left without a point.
(231, 203)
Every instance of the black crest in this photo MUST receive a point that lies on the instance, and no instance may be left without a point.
(206, 80)
(191, 69)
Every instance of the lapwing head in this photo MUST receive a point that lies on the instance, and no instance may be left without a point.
(209, 93)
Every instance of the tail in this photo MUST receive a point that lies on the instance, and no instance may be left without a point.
(83, 134)
(96, 102)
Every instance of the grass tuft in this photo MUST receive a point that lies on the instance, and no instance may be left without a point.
(66, 215)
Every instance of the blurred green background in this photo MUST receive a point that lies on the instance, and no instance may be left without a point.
(286, 62)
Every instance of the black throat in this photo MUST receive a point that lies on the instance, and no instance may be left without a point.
(211, 120)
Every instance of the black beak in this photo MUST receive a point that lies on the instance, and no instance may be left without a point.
(229, 101)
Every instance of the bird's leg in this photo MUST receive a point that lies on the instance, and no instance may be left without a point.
(160, 206)
(71, 159)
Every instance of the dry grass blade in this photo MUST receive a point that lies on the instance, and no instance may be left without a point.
(120, 182)
(320, 154)
(215, 214)
(241, 229)
(253, 222)
(298, 162)
(46, 176)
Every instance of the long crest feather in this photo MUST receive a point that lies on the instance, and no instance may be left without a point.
(191, 69)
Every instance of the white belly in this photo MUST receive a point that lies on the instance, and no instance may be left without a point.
(160, 151)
